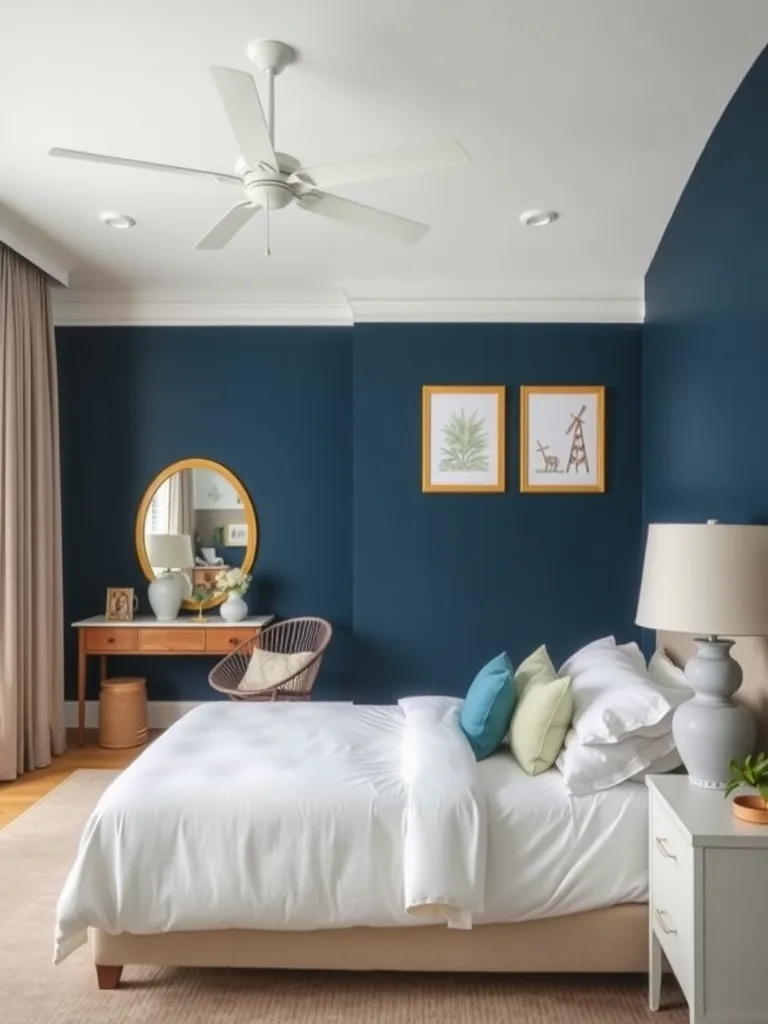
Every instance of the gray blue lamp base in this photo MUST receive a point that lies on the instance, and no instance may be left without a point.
(710, 729)
(165, 594)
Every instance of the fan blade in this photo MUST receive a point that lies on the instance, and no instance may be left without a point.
(399, 229)
(237, 92)
(384, 165)
(144, 165)
(229, 225)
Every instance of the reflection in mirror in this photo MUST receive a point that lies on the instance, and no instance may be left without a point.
(202, 504)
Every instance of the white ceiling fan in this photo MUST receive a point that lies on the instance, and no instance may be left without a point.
(272, 180)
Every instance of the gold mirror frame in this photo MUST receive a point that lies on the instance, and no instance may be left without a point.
(250, 517)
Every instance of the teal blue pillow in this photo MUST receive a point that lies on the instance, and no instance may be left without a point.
(488, 706)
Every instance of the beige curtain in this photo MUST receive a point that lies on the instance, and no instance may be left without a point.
(31, 606)
(181, 504)
(181, 515)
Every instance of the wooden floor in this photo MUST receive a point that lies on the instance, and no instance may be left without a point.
(17, 796)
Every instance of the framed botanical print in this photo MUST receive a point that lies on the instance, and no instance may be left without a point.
(463, 435)
(562, 439)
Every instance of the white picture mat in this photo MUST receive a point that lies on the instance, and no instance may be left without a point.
(442, 406)
(549, 416)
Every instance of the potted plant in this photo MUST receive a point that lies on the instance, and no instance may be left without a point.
(234, 583)
(753, 771)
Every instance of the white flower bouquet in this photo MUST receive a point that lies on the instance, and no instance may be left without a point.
(233, 580)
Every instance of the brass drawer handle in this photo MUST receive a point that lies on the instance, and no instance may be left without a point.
(110, 639)
(233, 641)
(663, 924)
(662, 846)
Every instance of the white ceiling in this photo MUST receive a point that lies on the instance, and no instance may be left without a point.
(597, 108)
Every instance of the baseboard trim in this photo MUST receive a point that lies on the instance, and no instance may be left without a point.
(160, 713)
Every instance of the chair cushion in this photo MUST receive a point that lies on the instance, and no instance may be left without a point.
(269, 668)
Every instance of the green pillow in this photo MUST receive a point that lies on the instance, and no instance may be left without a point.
(542, 714)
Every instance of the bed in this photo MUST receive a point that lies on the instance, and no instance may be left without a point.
(525, 877)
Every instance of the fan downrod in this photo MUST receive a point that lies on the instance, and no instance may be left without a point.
(270, 56)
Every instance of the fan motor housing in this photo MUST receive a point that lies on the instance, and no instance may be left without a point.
(267, 189)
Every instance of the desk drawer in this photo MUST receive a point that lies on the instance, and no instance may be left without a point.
(172, 641)
(222, 641)
(106, 641)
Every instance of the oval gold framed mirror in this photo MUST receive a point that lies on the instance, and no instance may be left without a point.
(203, 500)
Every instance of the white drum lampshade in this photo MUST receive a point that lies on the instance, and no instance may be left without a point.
(168, 553)
(709, 580)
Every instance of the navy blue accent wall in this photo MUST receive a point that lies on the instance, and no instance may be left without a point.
(705, 353)
(324, 428)
(443, 582)
(274, 405)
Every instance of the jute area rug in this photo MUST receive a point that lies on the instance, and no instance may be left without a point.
(36, 851)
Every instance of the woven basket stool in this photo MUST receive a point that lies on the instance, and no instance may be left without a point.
(123, 713)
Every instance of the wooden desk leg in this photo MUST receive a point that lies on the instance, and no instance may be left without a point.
(81, 664)
(103, 667)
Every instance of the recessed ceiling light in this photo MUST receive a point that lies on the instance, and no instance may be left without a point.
(117, 220)
(538, 218)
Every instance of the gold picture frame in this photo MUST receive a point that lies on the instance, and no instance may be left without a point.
(122, 602)
(463, 429)
(562, 439)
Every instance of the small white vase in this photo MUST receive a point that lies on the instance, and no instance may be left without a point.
(234, 608)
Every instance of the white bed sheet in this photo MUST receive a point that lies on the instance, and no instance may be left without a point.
(550, 853)
(293, 817)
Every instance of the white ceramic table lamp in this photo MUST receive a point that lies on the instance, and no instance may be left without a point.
(167, 554)
(710, 580)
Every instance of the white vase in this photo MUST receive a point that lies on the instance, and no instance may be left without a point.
(234, 608)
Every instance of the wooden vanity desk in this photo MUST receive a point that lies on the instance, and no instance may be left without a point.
(144, 635)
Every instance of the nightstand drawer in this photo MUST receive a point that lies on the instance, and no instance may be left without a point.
(671, 909)
(670, 848)
(222, 641)
(671, 895)
(106, 641)
(172, 641)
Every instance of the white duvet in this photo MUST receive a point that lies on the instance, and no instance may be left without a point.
(306, 816)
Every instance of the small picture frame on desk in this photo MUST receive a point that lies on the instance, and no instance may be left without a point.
(122, 602)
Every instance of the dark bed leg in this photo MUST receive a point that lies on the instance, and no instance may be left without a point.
(108, 976)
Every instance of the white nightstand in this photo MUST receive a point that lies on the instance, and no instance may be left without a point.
(708, 903)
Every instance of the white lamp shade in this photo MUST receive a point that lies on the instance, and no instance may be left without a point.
(170, 550)
(709, 579)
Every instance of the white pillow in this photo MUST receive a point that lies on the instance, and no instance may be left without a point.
(667, 763)
(590, 769)
(613, 697)
(669, 678)
(268, 668)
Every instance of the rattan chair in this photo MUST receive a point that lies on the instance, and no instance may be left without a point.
(293, 636)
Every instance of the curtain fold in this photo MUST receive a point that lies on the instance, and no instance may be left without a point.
(181, 504)
(31, 603)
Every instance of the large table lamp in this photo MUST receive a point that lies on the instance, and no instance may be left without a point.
(709, 580)
(168, 553)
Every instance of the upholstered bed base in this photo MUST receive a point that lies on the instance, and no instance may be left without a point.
(611, 941)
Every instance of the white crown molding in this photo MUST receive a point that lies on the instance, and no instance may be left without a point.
(82, 309)
(547, 311)
(29, 242)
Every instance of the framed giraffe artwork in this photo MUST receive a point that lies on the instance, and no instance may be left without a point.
(463, 438)
(562, 439)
